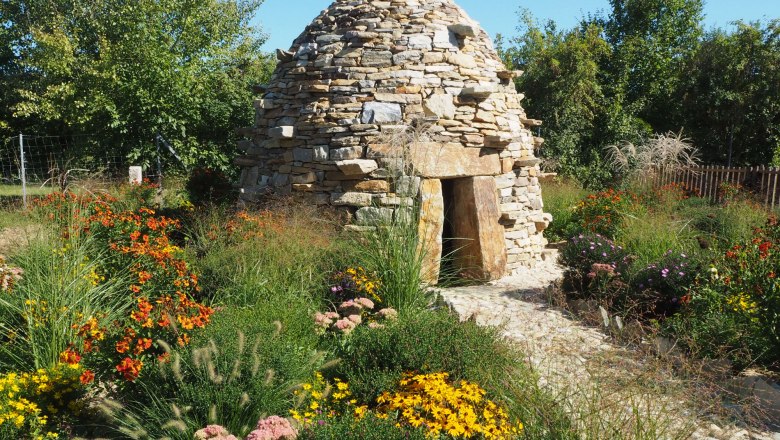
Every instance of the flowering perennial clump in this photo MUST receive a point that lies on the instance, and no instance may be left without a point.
(273, 428)
(602, 213)
(668, 280)
(214, 432)
(432, 402)
(355, 282)
(29, 401)
(352, 313)
(162, 286)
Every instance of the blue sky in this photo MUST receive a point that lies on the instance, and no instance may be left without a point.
(283, 20)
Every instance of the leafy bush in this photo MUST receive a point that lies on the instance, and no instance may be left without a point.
(662, 287)
(735, 312)
(375, 359)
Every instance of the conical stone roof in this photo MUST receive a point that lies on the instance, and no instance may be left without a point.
(364, 67)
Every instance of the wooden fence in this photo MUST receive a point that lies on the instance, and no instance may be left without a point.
(707, 181)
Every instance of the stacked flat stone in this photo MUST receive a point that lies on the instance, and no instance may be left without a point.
(364, 67)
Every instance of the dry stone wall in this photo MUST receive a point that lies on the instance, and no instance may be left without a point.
(365, 68)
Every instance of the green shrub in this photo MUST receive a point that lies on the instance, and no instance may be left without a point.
(374, 361)
(209, 186)
(602, 213)
(368, 428)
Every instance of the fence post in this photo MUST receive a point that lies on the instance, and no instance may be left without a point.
(22, 171)
(158, 141)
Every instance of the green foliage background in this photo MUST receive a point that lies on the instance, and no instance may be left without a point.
(124, 71)
(648, 66)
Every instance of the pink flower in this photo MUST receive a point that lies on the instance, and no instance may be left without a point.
(273, 428)
(332, 315)
(322, 321)
(374, 325)
(365, 302)
(344, 325)
(214, 432)
(355, 318)
(389, 313)
(351, 307)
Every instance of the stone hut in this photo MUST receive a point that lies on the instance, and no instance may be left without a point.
(364, 71)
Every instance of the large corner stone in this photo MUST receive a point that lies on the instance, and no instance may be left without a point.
(475, 215)
(381, 113)
(431, 228)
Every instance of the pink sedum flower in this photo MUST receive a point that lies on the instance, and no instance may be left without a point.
(365, 302)
(273, 428)
(355, 318)
(344, 325)
(389, 313)
(214, 432)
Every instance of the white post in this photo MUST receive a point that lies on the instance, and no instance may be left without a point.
(22, 170)
(136, 175)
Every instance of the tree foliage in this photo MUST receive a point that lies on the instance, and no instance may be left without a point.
(126, 70)
(648, 67)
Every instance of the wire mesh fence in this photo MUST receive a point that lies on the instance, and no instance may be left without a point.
(32, 165)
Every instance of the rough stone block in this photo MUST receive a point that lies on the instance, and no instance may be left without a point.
(303, 154)
(440, 105)
(381, 113)
(350, 199)
(368, 186)
(371, 216)
(321, 153)
(464, 29)
(346, 153)
(357, 167)
(284, 132)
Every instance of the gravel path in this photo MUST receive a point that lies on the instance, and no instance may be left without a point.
(565, 352)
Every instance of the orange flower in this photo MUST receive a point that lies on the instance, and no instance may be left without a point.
(87, 377)
(122, 346)
(70, 357)
(142, 345)
(130, 369)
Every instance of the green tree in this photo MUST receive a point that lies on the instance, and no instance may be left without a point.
(126, 70)
(563, 85)
(651, 41)
(731, 94)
